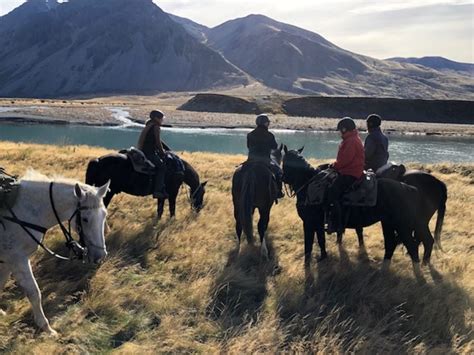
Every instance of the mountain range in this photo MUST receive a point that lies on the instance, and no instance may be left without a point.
(89, 47)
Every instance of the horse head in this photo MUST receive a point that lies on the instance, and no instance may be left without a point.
(91, 219)
(294, 165)
(197, 197)
(277, 154)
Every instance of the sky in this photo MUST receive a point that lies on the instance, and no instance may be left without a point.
(377, 28)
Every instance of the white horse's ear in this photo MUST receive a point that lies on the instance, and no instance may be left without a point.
(78, 192)
(102, 191)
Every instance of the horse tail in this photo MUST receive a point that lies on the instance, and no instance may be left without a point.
(440, 215)
(92, 172)
(247, 193)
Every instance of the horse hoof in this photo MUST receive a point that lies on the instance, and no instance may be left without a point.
(50, 332)
(322, 257)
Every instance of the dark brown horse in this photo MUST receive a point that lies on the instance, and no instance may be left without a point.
(433, 196)
(396, 208)
(118, 169)
(254, 187)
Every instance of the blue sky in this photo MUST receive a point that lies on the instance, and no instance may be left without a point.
(376, 28)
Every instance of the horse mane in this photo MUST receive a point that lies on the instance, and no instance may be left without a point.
(300, 160)
(32, 175)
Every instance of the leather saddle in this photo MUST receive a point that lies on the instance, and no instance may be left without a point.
(363, 193)
(139, 161)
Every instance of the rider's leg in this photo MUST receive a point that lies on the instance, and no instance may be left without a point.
(160, 190)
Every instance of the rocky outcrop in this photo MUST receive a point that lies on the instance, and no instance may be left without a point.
(219, 103)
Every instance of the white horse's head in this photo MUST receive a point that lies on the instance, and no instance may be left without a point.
(90, 220)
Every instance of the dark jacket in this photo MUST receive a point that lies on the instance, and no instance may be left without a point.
(260, 143)
(376, 149)
(150, 140)
(350, 157)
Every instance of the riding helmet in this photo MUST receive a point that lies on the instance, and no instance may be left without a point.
(156, 114)
(346, 124)
(262, 120)
(374, 121)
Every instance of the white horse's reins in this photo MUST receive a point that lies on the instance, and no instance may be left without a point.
(79, 249)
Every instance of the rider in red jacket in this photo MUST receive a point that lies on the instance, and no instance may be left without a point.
(350, 166)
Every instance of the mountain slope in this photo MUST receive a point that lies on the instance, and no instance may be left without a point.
(292, 59)
(111, 46)
(195, 29)
(437, 63)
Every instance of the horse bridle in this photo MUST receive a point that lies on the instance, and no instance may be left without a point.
(191, 196)
(78, 248)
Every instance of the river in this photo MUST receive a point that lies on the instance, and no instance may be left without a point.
(321, 145)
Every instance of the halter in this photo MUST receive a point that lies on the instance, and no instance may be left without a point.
(191, 196)
(78, 248)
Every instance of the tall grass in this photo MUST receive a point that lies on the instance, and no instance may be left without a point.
(177, 285)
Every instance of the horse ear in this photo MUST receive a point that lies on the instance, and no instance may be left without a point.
(285, 148)
(78, 191)
(204, 183)
(102, 191)
(301, 150)
(281, 147)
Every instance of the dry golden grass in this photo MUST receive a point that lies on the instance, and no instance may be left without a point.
(177, 286)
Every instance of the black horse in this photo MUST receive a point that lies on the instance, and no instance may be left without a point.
(118, 169)
(433, 196)
(396, 208)
(254, 187)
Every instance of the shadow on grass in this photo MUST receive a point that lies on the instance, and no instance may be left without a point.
(239, 292)
(357, 306)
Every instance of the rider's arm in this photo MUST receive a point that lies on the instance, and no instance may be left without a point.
(159, 146)
(345, 155)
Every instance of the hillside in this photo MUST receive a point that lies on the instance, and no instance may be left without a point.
(120, 46)
(438, 63)
(288, 58)
(177, 287)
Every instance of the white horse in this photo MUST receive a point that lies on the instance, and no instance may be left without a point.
(42, 204)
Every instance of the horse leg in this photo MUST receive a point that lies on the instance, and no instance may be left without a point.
(308, 241)
(160, 207)
(24, 276)
(262, 228)
(321, 242)
(172, 206)
(238, 229)
(360, 236)
(339, 237)
(4, 275)
(412, 246)
(423, 234)
(390, 242)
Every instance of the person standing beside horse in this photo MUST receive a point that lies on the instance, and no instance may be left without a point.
(350, 167)
(376, 144)
(150, 144)
(260, 143)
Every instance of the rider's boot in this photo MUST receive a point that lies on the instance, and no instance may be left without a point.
(160, 189)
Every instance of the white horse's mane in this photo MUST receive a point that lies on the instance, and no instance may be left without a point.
(35, 176)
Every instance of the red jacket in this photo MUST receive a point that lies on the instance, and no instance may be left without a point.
(350, 157)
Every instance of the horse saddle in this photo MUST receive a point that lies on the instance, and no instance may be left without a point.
(317, 187)
(363, 193)
(139, 161)
(9, 189)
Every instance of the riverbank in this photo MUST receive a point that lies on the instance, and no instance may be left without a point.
(100, 112)
(176, 286)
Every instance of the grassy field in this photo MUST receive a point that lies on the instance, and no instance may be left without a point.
(176, 286)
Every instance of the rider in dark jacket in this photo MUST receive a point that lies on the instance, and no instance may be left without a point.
(376, 144)
(150, 144)
(260, 143)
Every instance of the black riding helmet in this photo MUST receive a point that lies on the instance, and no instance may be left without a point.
(346, 124)
(262, 120)
(156, 114)
(373, 121)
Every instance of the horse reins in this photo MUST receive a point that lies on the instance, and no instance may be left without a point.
(79, 249)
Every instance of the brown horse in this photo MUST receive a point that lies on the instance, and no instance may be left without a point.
(254, 187)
